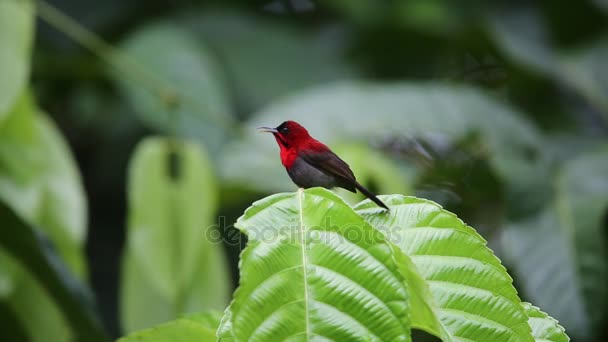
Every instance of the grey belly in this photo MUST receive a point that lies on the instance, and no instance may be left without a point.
(307, 176)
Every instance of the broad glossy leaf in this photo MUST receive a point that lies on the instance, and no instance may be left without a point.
(36, 255)
(315, 270)
(195, 327)
(471, 293)
(174, 261)
(544, 327)
(16, 35)
(569, 240)
(40, 181)
(363, 111)
(523, 37)
(175, 67)
(259, 55)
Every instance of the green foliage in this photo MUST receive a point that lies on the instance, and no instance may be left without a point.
(16, 33)
(244, 44)
(182, 92)
(195, 327)
(36, 312)
(373, 168)
(28, 248)
(470, 291)
(544, 327)
(572, 232)
(523, 37)
(174, 262)
(341, 111)
(314, 269)
(382, 83)
(38, 178)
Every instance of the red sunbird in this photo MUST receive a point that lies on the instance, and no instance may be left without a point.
(311, 163)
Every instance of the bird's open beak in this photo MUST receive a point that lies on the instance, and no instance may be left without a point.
(268, 129)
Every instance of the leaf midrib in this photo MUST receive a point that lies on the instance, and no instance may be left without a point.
(303, 245)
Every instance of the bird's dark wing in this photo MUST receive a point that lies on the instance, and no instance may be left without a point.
(329, 163)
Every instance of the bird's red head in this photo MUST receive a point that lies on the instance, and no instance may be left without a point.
(289, 135)
(293, 139)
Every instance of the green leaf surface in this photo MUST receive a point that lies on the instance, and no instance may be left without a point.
(572, 232)
(362, 111)
(174, 261)
(36, 255)
(315, 270)
(469, 291)
(40, 180)
(259, 55)
(196, 327)
(521, 34)
(16, 35)
(544, 327)
(188, 96)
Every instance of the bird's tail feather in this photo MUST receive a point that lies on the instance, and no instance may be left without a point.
(370, 195)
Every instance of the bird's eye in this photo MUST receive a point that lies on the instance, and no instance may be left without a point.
(284, 129)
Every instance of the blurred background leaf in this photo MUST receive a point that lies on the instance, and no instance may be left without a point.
(174, 262)
(38, 177)
(562, 252)
(16, 35)
(38, 315)
(28, 248)
(195, 327)
(259, 55)
(523, 36)
(174, 85)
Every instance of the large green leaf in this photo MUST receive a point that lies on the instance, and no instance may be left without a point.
(522, 35)
(259, 55)
(40, 181)
(174, 261)
(174, 84)
(362, 111)
(196, 327)
(569, 240)
(470, 292)
(315, 270)
(29, 248)
(16, 33)
(544, 327)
